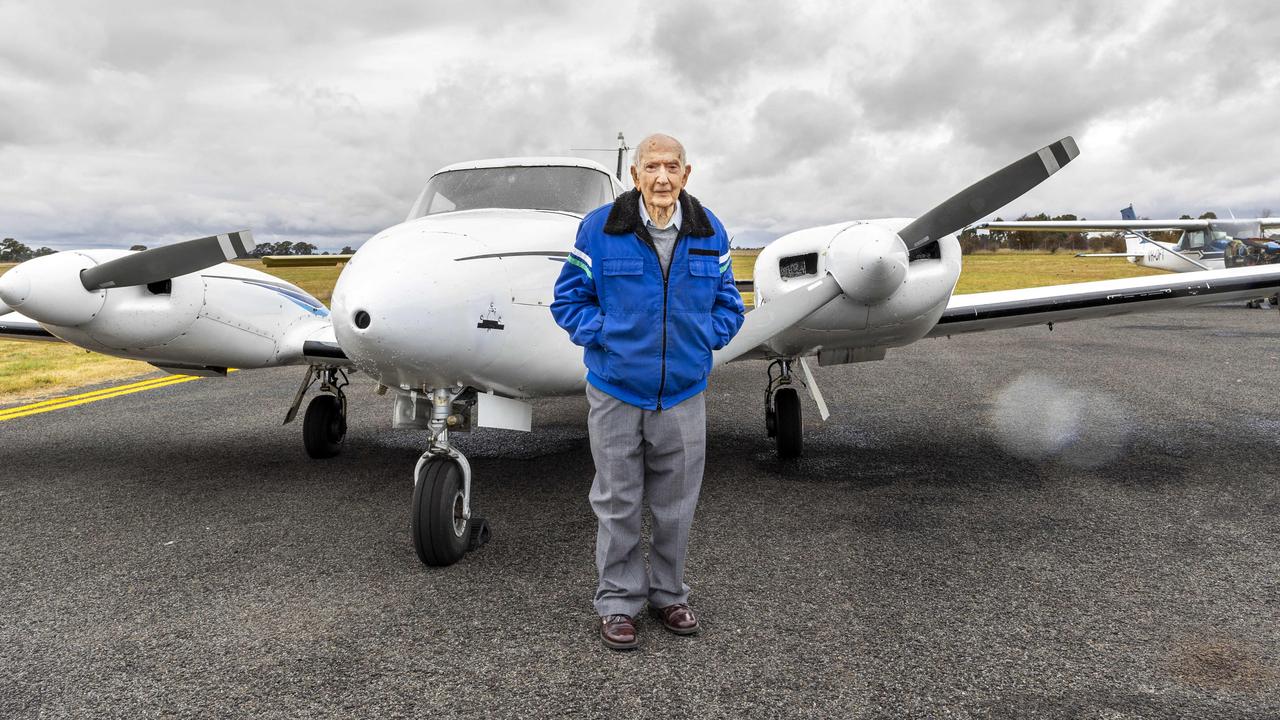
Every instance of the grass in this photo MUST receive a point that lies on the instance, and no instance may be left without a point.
(318, 281)
(983, 272)
(32, 371)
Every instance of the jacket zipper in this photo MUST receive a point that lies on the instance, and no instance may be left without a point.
(662, 380)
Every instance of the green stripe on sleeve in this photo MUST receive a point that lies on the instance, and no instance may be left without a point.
(575, 261)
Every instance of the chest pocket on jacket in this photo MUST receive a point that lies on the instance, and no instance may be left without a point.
(703, 281)
(623, 280)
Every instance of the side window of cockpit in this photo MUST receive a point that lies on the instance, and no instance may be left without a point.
(1193, 240)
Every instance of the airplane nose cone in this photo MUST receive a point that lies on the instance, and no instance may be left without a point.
(15, 286)
(47, 289)
(411, 315)
(869, 262)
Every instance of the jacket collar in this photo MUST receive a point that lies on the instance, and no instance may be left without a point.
(624, 216)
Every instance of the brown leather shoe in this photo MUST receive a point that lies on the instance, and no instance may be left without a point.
(678, 618)
(618, 632)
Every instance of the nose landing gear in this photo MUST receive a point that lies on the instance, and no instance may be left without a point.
(442, 525)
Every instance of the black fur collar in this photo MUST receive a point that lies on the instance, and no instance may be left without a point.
(624, 216)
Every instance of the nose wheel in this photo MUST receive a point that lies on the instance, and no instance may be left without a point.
(442, 531)
(782, 418)
(441, 522)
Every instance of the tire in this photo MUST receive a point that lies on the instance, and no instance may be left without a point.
(440, 535)
(324, 427)
(786, 406)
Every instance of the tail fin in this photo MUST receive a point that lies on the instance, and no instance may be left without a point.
(1133, 245)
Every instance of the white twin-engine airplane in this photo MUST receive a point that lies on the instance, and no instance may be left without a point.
(1203, 245)
(449, 309)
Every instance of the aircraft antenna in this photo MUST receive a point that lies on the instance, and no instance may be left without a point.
(621, 150)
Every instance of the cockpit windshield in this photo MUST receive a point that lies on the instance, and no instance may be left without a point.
(577, 190)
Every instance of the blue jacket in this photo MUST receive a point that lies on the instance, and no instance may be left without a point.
(648, 339)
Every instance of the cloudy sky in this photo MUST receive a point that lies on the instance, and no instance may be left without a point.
(149, 122)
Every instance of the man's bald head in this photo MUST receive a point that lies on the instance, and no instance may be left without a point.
(658, 142)
(660, 171)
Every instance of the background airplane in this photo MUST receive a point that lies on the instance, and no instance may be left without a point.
(449, 310)
(1205, 244)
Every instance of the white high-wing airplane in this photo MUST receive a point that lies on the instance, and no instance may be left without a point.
(1203, 245)
(449, 310)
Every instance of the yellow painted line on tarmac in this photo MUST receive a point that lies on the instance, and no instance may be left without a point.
(94, 396)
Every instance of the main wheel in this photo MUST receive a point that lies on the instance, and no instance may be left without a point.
(440, 533)
(786, 408)
(324, 427)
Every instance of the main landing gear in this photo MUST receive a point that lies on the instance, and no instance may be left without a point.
(442, 525)
(325, 424)
(782, 411)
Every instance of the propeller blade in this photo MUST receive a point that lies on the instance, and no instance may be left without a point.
(167, 262)
(989, 194)
(773, 317)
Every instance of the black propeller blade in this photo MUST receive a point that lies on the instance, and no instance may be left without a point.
(167, 262)
(989, 194)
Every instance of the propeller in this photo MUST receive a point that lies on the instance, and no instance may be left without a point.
(778, 314)
(167, 262)
(989, 194)
(868, 264)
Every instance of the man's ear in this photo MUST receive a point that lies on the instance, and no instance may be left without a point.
(687, 170)
(635, 176)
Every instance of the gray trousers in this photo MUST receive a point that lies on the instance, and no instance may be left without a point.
(641, 452)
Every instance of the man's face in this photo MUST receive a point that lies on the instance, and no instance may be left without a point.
(660, 175)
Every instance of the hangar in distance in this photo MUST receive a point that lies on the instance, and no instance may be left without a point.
(449, 310)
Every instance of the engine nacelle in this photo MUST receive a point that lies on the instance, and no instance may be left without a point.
(224, 316)
(889, 299)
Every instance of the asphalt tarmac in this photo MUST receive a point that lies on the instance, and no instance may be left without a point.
(1077, 523)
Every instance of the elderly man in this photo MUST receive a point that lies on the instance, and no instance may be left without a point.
(648, 291)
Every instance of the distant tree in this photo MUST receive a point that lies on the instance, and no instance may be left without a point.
(43, 251)
(139, 248)
(13, 251)
(1184, 217)
(346, 250)
(303, 248)
(1209, 216)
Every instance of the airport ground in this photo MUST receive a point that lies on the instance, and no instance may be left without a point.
(1019, 524)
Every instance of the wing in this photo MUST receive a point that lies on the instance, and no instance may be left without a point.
(14, 326)
(1093, 225)
(1062, 303)
(1122, 225)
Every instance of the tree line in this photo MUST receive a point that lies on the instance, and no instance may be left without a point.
(285, 247)
(1051, 242)
(12, 251)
